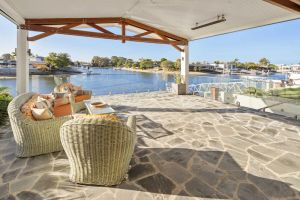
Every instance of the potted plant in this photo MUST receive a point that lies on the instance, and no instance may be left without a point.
(179, 87)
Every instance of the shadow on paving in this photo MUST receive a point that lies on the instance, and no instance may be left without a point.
(168, 171)
(207, 174)
(281, 118)
(162, 171)
(150, 128)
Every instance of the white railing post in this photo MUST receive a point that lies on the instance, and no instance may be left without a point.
(184, 70)
(22, 68)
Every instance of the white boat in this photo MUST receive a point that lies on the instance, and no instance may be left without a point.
(89, 72)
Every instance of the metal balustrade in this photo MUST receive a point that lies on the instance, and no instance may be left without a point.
(230, 87)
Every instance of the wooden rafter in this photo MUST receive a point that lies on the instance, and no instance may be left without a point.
(296, 1)
(60, 21)
(291, 5)
(143, 34)
(99, 28)
(40, 28)
(149, 28)
(48, 26)
(123, 31)
(174, 45)
(48, 33)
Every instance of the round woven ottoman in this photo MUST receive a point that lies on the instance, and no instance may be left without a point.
(99, 150)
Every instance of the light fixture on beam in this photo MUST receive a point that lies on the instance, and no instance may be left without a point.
(220, 19)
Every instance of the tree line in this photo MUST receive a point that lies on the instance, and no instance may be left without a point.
(262, 63)
(142, 63)
(60, 60)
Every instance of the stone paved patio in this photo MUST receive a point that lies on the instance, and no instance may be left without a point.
(188, 148)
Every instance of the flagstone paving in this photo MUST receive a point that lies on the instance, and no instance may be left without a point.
(187, 148)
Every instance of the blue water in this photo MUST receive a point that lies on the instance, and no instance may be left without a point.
(108, 81)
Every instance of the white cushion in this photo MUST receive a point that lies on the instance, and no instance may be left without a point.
(42, 113)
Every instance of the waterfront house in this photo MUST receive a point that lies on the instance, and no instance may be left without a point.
(295, 67)
(38, 62)
(284, 68)
(187, 147)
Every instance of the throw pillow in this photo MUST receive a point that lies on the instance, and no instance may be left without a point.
(65, 87)
(48, 97)
(42, 114)
(61, 101)
(26, 107)
(78, 92)
(59, 94)
(42, 103)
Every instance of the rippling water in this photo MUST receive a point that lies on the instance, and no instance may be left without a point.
(105, 81)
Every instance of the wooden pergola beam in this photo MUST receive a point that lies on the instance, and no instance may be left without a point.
(99, 28)
(166, 39)
(48, 33)
(143, 34)
(61, 21)
(40, 28)
(149, 28)
(286, 4)
(123, 31)
(48, 27)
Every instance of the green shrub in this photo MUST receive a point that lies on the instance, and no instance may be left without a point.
(255, 92)
(250, 90)
(259, 93)
(291, 93)
(5, 98)
(177, 78)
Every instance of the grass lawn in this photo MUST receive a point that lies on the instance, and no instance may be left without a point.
(292, 93)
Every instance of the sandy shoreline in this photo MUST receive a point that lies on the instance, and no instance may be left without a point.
(5, 77)
(13, 76)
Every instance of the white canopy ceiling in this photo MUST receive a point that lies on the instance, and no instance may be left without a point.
(174, 16)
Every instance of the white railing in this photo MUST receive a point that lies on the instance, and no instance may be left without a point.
(230, 87)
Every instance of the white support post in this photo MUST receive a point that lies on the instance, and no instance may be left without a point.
(22, 70)
(184, 71)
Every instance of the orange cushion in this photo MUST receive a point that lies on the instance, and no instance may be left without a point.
(26, 108)
(82, 97)
(62, 110)
(61, 101)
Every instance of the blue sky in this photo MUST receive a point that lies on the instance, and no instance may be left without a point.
(280, 43)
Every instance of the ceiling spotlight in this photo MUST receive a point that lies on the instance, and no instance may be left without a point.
(220, 18)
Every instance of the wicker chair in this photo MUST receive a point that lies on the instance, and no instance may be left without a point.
(99, 151)
(33, 137)
(75, 106)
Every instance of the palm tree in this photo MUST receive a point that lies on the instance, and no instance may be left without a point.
(13, 54)
(264, 62)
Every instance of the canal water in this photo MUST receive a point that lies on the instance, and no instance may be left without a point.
(109, 81)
